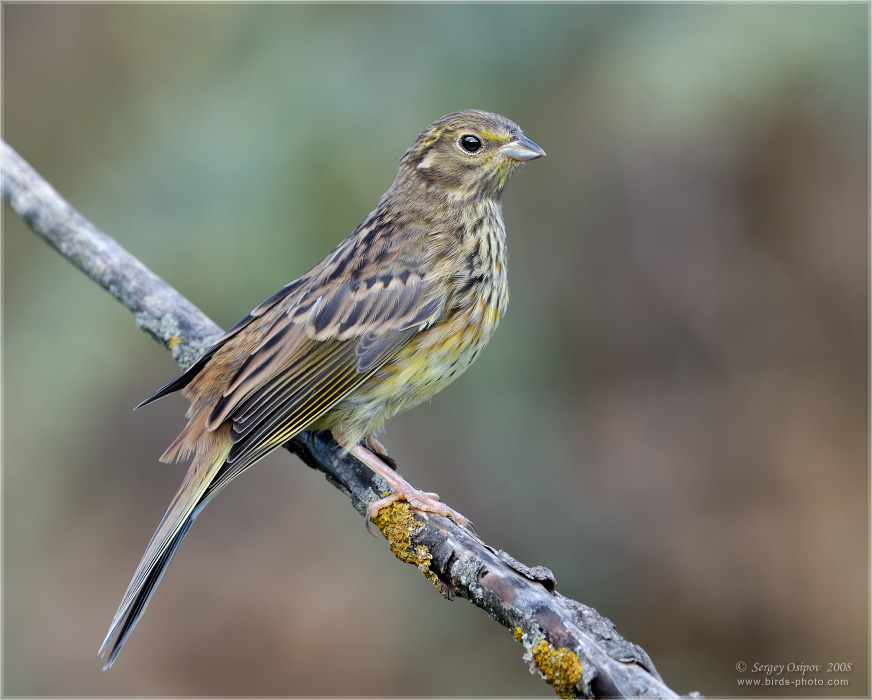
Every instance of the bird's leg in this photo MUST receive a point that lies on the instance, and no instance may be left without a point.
(381, 451)
(420, 500)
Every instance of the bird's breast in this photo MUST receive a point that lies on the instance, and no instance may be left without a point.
(476, 293)
(477, 298)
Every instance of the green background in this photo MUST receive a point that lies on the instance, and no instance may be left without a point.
(672, 416)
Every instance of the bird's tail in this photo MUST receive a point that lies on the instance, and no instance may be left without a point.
(188, 502)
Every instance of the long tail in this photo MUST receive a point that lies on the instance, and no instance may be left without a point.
(191, 498)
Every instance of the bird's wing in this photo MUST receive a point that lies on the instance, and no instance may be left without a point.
(188, 375)
(314, 354)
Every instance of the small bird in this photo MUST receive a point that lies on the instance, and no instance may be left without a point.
(393, 315)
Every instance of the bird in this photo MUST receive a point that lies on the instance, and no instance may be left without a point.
(391, 316)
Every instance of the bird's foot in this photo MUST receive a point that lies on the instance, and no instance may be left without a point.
(419, 500)
(403, 490)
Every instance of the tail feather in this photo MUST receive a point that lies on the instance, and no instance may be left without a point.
(128, 616)
(191, 498)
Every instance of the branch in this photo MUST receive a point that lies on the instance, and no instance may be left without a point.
(571, 645)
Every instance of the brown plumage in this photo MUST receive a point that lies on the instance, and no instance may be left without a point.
(395, 313)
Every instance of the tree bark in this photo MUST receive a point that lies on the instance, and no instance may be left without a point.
(573, 648)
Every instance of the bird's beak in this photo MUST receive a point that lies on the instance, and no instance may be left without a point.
(521, 148)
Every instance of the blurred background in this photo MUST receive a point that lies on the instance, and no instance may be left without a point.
(672, 416)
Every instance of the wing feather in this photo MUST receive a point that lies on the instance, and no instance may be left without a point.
(306, 362)
(256, 406)
(188, 375)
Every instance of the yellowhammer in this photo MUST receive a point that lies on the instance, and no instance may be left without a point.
(394, 314)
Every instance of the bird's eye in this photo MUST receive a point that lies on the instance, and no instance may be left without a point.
(470, 143)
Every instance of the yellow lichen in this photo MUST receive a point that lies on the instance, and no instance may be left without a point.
(560, 667)
(173, 341)
(423, 559)
(519, 635)
(398, 525)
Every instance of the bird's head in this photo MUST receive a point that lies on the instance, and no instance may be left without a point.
(468, 154)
